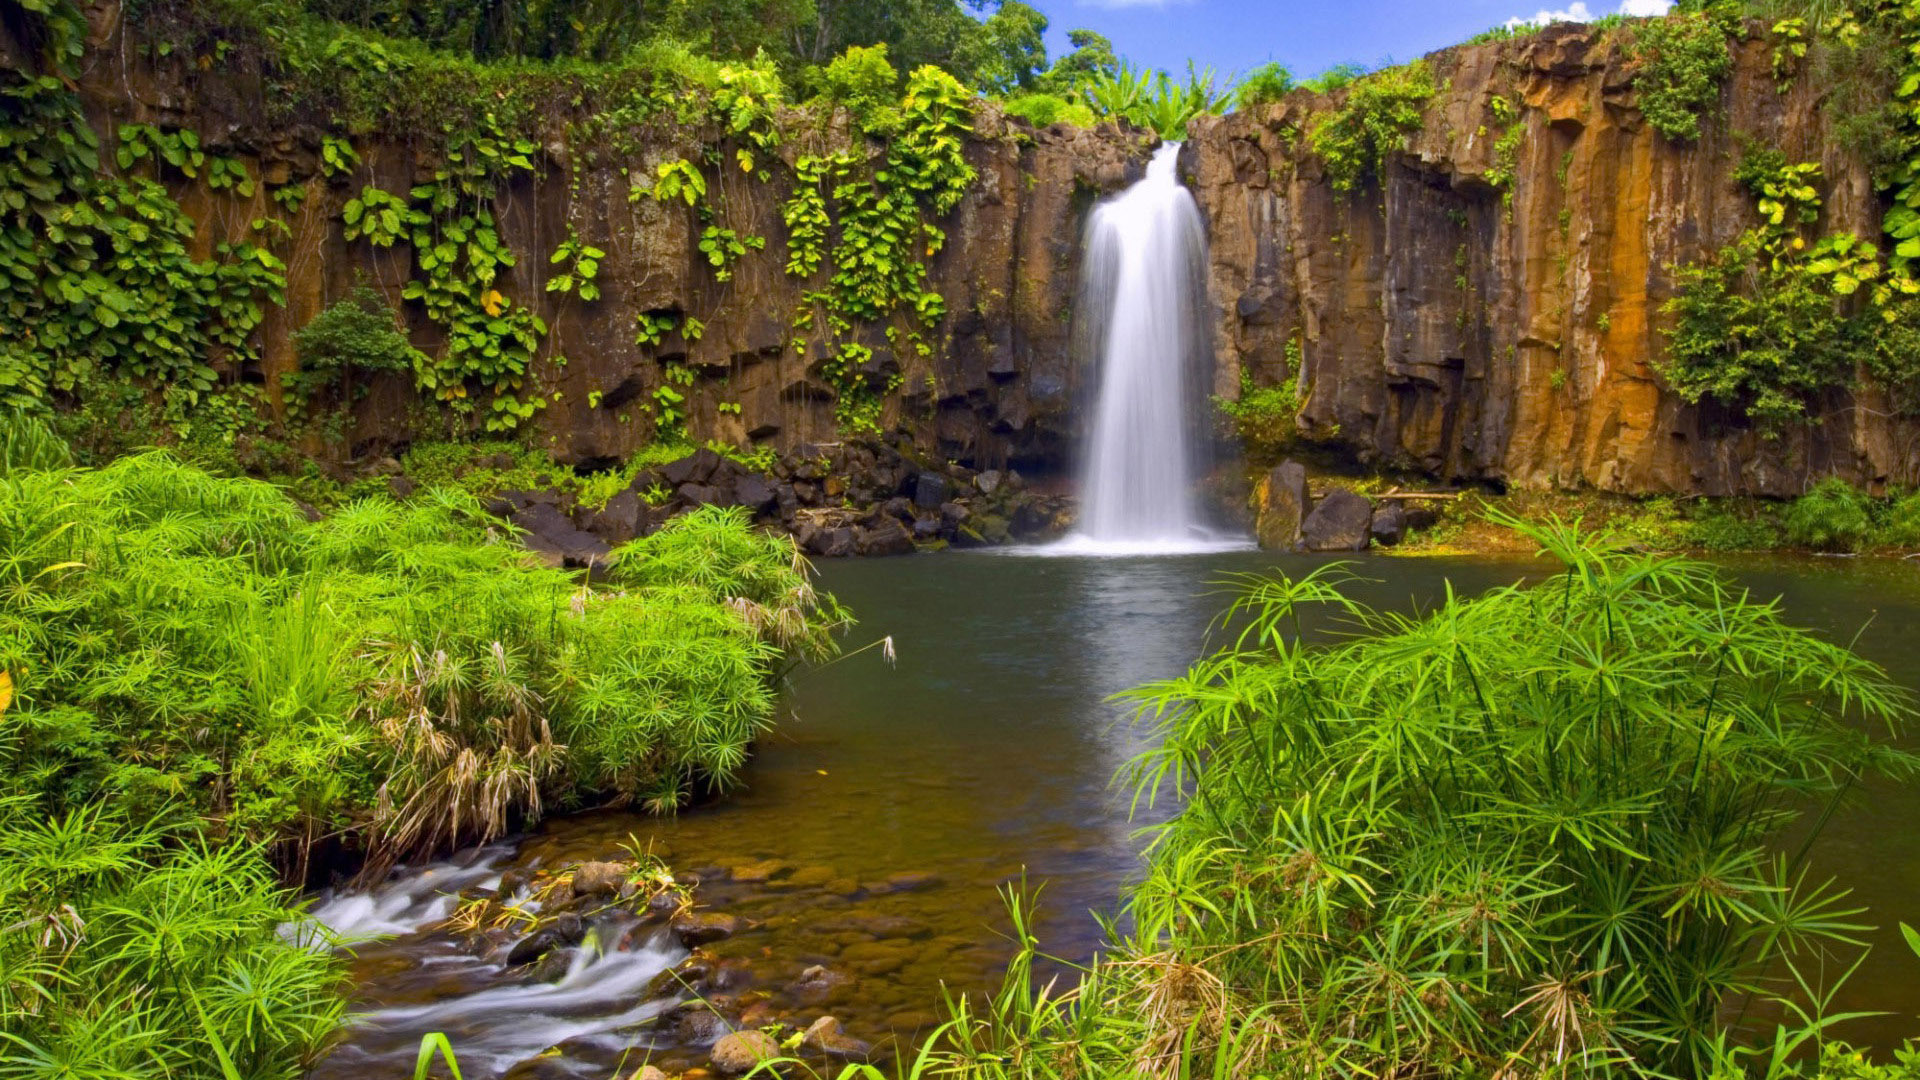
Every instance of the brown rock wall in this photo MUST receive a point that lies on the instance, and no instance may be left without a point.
(1510, 335)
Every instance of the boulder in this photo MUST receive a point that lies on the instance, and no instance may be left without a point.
(954, 514)
(899, 508)
(401, 487)
(696, 468)
(834, 543)
(1338, 523)
(702, 495)
(1389, 524)
(1420, 515)
(698, 928)
(928, 528)
(887, 538)
(988, 482)
(700, 1026)
(754, 493)
(621, 520)
(930, 489)
(1282, 506)
(553, 533)
(599, 879)
(828, 1036)
(740, 1052)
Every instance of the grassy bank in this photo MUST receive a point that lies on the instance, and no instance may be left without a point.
(206, 694)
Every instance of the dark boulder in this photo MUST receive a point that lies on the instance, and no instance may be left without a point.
(553, 533)
(833, 543)
(599, 878)
(755, 493)
(621, 520)
(1338, 523)
(1389, 525)
(930, 489)
(928, 527)
(954, 514)
(899, 508)
(703, 495)
(696, 468)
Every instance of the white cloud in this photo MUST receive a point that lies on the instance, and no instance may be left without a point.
(1579, 12)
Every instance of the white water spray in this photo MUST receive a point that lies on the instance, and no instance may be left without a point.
(1142, 294)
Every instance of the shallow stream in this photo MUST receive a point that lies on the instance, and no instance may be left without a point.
(879, 822)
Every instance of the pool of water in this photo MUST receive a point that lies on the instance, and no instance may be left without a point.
(877, 826)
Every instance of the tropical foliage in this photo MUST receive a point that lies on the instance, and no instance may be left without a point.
(1534, 831)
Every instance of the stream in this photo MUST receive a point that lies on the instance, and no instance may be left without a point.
(878, 823)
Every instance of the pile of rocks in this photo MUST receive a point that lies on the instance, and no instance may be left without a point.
(845, 499)
(1289, 519)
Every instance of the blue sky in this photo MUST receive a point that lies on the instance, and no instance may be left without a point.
(1307, 36)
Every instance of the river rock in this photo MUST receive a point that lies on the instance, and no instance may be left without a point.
(887, 538)
(701, 1026)
(1338, 523)
(828, 1036)
(761, 870)
(878, 957)
(754, 493)
(599, 878)
(811, 876)
(834, 543)
(696, 468)
(698, 928)
(739, 1052)
(1281, 506)
(1389, 525)
(648, 1072)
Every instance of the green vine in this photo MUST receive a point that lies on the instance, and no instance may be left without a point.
(865, 221)
(97, 271)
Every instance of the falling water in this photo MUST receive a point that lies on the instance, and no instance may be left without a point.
(1141, 298)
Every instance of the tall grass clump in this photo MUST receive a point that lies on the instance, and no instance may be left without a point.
(1537, 832)
(131, 951)
(396, 676)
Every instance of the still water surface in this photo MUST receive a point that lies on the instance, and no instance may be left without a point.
(895, 800)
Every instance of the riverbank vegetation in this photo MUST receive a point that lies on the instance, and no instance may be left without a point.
(204, 694)
(1536, 832)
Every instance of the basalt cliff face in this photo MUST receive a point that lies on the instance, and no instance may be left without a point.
(1509, 333)
(1451, 321)
(996, 388)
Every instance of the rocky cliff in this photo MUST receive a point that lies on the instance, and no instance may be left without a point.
(1475, 329)
(997, 387)
(1488, 309)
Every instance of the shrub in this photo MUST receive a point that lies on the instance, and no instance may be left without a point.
(28, 443)
(396, 672)
(1900, 525)
(1380, 111)
(1533, 830)
(863, 81)
(1834, 516)
(358, 335)
(1264, 85)
(1040, 110)
(1682, 59)
(1719, 527)
(135, 951)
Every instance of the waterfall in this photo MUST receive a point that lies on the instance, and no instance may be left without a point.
(1143, 293)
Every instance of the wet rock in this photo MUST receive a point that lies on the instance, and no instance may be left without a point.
(732, 973)
(811, 876)
(599, 878)
(701, 1026)
(553, 966)
(913, 1020)
(1281, 506)
(1338, 523)
(683, 977)
(763, 870)
(758, 1014)
(699, 928)
(878, 957)
(912, 881)
(1420, 515)
(899, 508)
(828, 1036)
(888, 538)
(1389, 525)
(816, 983)
(988, 482)
(663, 905)
(567, 930)
(928, 528)
(740, 1052)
